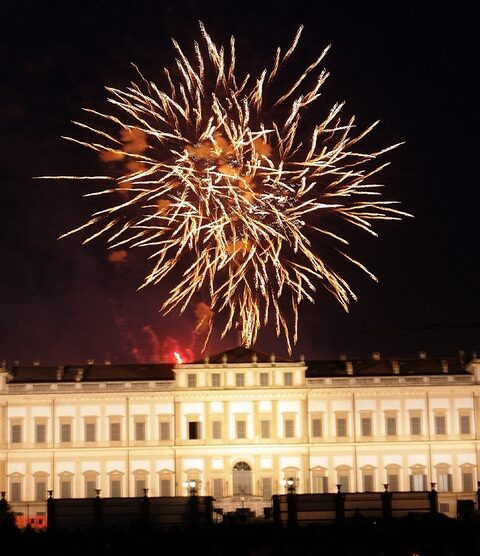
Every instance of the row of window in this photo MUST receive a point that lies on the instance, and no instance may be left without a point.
(417, 481)
(391, 427)
(90, 431)
(264, 379)
(194, 428)
(90, 486)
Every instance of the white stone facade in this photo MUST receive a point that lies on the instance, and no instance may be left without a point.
(240, 429)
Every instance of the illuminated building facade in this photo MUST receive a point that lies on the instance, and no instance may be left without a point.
(237, 426)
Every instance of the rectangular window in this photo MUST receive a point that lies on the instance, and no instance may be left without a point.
(115, 432)
(267, 487)
(164, 430)
(444, 507)
(139, 431)
(40, 491)
(368, 483)
(341, 427)
(90, 432)
(264, 379)
(444, 482)
(415, 425)
(115, 487)
(65, 488)
(317, 431)
(241, 426)
(467, 481)
(165, 487)
(239, 380)
(391, 426)
(192, 380)
(288, 379)
(193, 430)
(218, 488)
(465, 424)
(366, 426)
(65, 432)
(40, 433)
(216, 382)
(16, 434)
(16, 491)
(265, 428)
(393, 482)
(217, 429)
(440, 424)
(289, 426)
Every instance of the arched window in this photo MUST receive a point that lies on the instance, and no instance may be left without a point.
(116, 483)
(40, 482)
(392, 476)
(444, 478)
(418, 478)
(16, 487)
(165, 478)
(140, 478)
(90, 483)
(368, 478)
(343, 477)
(467, 470)
(319, 480)
(65, 481)
(242, 479)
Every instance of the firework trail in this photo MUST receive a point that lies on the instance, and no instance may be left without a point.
(229, 191)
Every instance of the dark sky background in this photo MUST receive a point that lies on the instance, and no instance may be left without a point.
(413, 65)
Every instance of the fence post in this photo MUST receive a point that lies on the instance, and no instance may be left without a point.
(433, 495)
(386, 504)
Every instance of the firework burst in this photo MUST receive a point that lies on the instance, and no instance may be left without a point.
(225, 191)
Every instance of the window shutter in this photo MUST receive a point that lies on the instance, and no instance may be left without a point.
(450, 483)
(411, 482)
(325, 484)
(425, 482)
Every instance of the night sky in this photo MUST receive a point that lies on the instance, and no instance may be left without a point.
(412, 65)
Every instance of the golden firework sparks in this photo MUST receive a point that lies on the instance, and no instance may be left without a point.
(219, 176)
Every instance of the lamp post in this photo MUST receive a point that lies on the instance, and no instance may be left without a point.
(191, 485)
(291, 485)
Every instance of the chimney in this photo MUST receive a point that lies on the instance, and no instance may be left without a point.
(444, 366)
(59, 373)
(36, 363)
(422, 354)
(78, 375)
(376, 356)
(90, 361)
(343, 357)
(395, 367)
(108, 362)
(349, 368)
